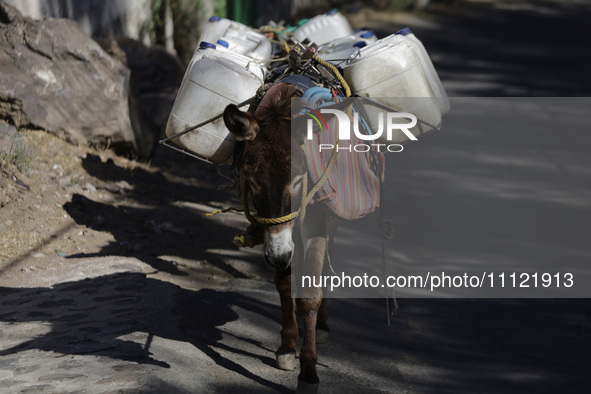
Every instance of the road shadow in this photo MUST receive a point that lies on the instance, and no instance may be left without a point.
(506, 48)
(95, 317)
(462, 345)
(434, 346)
(161, 212)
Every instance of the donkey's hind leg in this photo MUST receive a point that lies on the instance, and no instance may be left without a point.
(286, 354)
(308, 379)
(322, 329)
(322, 323)
(309, 306)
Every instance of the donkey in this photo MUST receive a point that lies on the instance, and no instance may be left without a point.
(272, 172)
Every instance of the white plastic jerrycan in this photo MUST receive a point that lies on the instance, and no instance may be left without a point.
(324, 28)
(214, 79)
(390, 72)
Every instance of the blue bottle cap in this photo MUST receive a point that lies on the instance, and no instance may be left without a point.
(333, 11)
(215, 18)
(367, 34)
(223, 43)
(360, 44)
(206, 45)
(404, 32)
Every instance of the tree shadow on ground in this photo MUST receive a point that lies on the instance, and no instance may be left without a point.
(504, 48)
(466, 345)
(90, 317)
(155, 215)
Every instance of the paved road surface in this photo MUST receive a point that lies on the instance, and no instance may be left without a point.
(115, 324)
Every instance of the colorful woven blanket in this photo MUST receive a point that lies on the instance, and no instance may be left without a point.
(352, 189)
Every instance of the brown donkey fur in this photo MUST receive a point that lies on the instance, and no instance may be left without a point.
(272, 172)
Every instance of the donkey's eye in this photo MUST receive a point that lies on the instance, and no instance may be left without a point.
(297, 182)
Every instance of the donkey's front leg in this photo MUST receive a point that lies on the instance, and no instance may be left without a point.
(286, 354)
(308, 307)
(308, 379)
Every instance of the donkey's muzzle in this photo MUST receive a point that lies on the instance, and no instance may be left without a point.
(279, 261)
(279, 247)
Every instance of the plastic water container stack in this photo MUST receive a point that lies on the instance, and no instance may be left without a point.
(324, 28)
(226, 68)
(339, 50)
(251, 44)
(216, 77)
(434, 82)
(236, 37)
(396, 71)
(221, 27)
(334, 35)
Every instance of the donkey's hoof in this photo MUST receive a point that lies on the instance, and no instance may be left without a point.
(286, 361)
(321, 336)
(306, 388)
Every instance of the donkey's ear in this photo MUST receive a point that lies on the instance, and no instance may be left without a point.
(242, 125)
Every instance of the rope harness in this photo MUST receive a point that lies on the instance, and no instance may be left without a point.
(254, 235)
(307, 197)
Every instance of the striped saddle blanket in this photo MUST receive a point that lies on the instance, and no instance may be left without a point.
(352, 189)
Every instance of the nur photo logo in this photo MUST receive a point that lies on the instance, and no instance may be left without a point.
(387, 123)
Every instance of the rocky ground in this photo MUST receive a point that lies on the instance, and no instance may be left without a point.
(69, 202)
(89, 237)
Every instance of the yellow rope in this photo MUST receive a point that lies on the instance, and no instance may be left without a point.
(326, 64)
(303, 203)
(336, 73)
(254, 219)
(285, 46)
(224, 211)
(252, 235)
(279, 220)
(320, 183)
(306, 196)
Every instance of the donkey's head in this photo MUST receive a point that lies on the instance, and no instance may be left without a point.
(269, 171)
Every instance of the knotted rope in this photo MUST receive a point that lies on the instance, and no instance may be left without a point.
(254, 235)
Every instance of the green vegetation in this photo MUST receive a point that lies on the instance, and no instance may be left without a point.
(219, 8)
(17, 154)
(186, 16)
